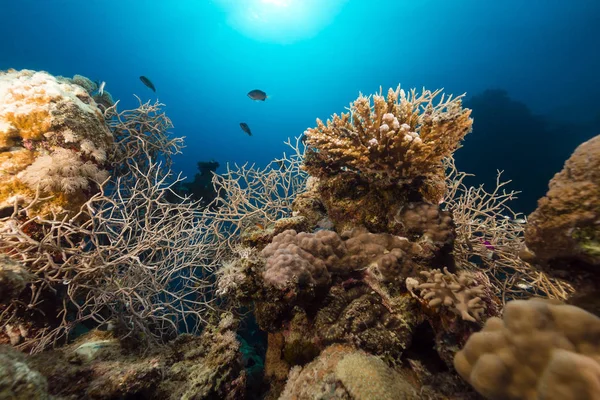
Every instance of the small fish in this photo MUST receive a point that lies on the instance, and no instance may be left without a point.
(101, 88)
(258, 95)
(148, 83)
(260, 226)
(515, 220)
(246, 128)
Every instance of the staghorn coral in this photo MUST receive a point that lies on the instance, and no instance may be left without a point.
(53, 139)
(540, 349)
(401, 137)
(459, 293)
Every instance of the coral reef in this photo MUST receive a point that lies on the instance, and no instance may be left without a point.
(54, 144)
(376, 159)
(563, 232)
(329, 264)
(111, 255)
(540, 349)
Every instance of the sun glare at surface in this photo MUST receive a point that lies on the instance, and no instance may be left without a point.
(280, 21)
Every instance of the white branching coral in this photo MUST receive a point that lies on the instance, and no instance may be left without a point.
(127, 257)
(62, 171)
(461, 294)
(488, 239)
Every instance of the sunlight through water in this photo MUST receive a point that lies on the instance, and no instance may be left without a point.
(280, 21)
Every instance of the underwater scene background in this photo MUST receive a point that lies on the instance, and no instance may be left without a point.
(529, 69)
(299, 199)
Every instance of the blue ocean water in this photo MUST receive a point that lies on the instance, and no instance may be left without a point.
(529, 68)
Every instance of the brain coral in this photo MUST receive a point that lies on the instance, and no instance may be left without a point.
(53, 138)
(539, 350)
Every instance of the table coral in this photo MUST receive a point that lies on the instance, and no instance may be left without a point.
(540, 349)
(53, 138)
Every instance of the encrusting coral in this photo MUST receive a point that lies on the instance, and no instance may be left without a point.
(540, 349)
(54, 143)
(565, 228)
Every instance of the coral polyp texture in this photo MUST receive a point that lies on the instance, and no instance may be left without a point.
(565, 228)
(540, 349)
(401, 136)
(459, 293)
(54, 143)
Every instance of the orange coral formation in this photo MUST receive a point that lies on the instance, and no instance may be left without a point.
(400, 137)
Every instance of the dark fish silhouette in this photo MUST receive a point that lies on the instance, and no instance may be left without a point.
(257, 95)
(148, 83)
(246, 128)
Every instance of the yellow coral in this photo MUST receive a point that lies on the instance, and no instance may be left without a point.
(53, 138)
(399, 137)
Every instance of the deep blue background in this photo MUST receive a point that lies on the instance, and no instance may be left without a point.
(543, 53)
